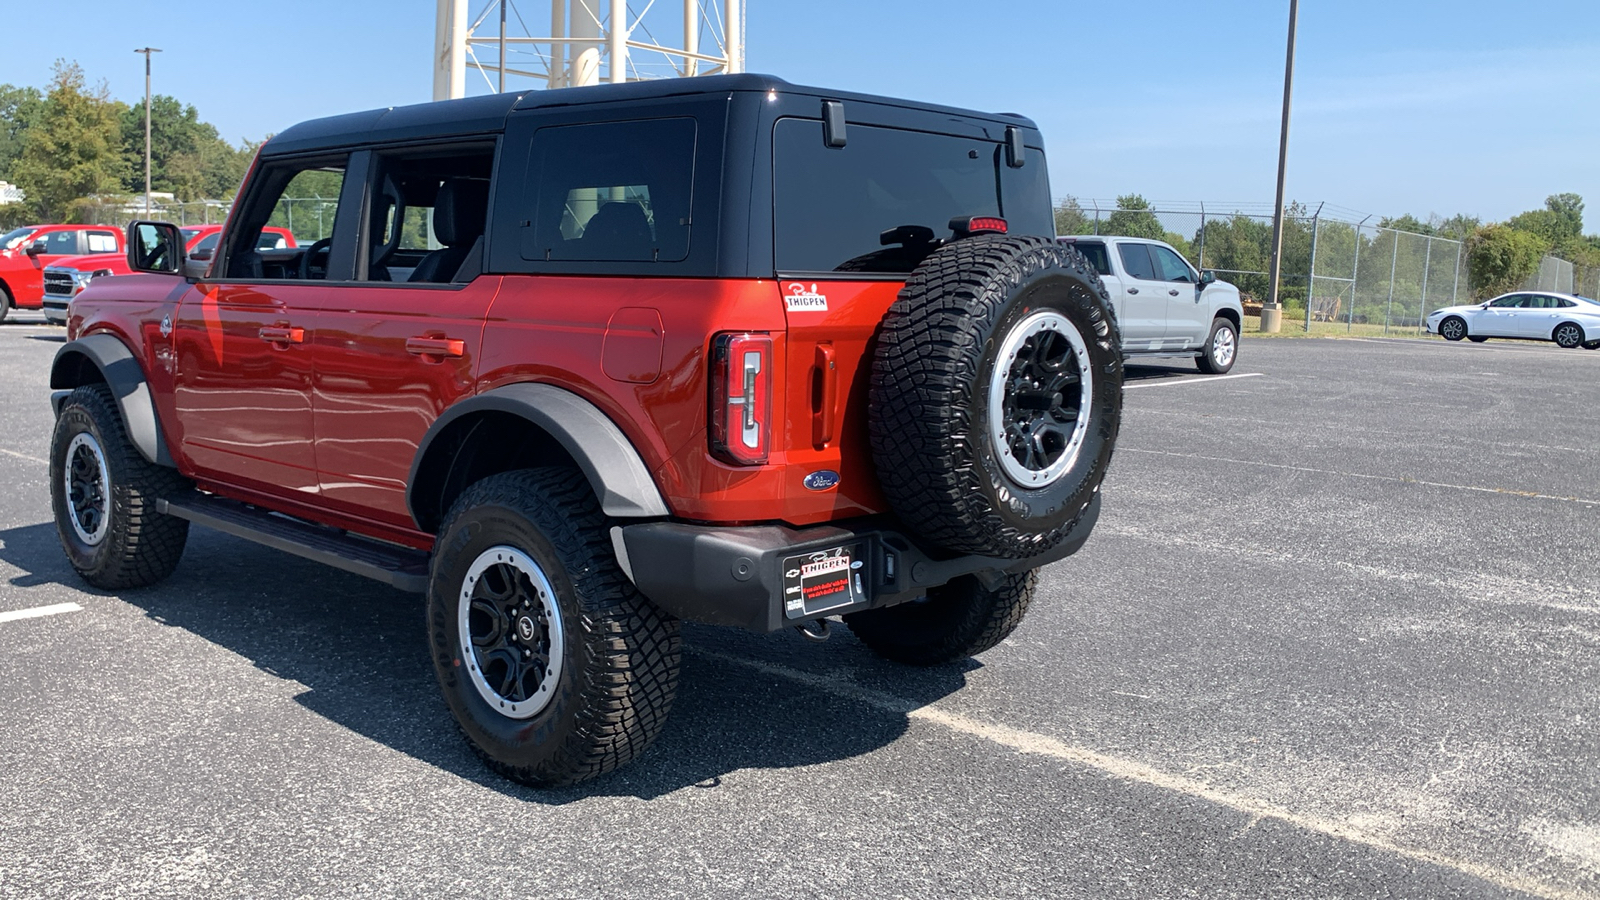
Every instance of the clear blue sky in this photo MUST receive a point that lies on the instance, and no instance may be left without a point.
(1419, 106)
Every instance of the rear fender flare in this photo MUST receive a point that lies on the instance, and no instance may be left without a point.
(120, 370)
(619, 476)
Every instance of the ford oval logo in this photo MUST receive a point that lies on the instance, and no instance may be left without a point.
(822, 479)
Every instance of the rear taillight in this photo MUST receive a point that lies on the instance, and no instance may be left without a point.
(741, 398)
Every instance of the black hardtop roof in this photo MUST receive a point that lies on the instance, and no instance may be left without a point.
(487, 114)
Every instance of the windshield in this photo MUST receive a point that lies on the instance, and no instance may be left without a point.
(11, 240)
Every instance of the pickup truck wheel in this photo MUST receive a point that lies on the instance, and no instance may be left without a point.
(955, 621)
(104, 497)
(553, 664)
(1221, 349)
(996, 395)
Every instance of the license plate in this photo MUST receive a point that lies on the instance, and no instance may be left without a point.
(824, 580)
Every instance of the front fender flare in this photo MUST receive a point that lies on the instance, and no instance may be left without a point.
(620, 478)
(121, 372)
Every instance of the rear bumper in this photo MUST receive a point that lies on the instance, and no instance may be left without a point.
(735, 576)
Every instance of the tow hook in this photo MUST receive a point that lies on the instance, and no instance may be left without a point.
(824, 630)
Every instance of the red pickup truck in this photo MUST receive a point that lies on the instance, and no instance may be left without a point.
(66, 278)
(26, 251)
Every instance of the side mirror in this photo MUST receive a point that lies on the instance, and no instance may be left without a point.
(35, 248)
(155, 247)
(1207, 277)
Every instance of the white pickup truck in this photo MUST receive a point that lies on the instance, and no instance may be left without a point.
(1164, 306)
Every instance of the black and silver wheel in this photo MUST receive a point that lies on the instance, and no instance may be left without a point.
(996, 395)
(104, 494)
(1221, 348)
(553, 664)
(954, 621)
(1568, 335)
(1453, 328)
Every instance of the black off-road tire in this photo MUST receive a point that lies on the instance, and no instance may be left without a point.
(1568, 335)
(619, 675)
(1453, 328)
(139, 546)
(957, 620)
(929, 413)
(1221, 349)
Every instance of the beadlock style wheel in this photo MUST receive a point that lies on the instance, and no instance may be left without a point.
(1039, 399)
(511, 634)
(88, 487)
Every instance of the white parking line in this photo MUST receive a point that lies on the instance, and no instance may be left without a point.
(1399, 479)
(1130, 387)
(1044, 745)
(24, 456)
(39, 612)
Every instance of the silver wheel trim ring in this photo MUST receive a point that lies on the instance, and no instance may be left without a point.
(80, 440)
(1222, 346)
(516, 559)
(1044, 320)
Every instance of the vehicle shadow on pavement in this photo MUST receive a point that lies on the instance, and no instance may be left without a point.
(1133, 373)
(361, 651)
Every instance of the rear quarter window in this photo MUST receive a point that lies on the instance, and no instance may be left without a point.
(617, 191)
(1095, 254)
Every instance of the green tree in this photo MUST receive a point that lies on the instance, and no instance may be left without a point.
(73, 149)
(1071, 219)
(1133, 218)
(1501, 257)
(19, 109)
(187, 156)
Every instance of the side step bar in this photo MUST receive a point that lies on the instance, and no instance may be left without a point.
(399, 567)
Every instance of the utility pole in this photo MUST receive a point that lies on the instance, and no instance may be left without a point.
(147, 51)
(1272, 312)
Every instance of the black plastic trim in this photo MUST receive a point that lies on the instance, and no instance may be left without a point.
(732, 576)
(121, 371)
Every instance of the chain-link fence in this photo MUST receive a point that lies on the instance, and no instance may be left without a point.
(1339, 274)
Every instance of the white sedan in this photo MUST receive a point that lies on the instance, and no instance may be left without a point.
(1567, 319)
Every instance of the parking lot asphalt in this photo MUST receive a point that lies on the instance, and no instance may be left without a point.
(1336, 635)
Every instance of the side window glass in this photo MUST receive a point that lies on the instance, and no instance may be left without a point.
(299, 200)
(102, 242)
(1096, 254)
(1173, 268)
(1136, 260)
(429, 210)
(1510, 302)
(617, 191)
(58, 242)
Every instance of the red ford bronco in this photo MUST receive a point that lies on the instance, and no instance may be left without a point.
(581, 364)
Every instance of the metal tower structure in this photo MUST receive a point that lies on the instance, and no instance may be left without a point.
(588, 41)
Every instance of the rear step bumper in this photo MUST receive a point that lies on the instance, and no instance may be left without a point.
(400, 567)
(736, 576)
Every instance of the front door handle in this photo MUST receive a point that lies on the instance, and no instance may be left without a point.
(425, 346)
(1133, 290)
(1173, 293)
(283, 334)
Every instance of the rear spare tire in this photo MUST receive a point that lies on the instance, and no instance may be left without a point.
(996, 395)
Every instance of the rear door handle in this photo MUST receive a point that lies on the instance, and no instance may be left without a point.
(283, 334)
(827, 396)
(424, 346)
(1133, 290)
(1173, 293)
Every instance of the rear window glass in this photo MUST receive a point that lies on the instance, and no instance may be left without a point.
(831, 204)
(611, 191)
(1095, 254)
(1136, 260)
